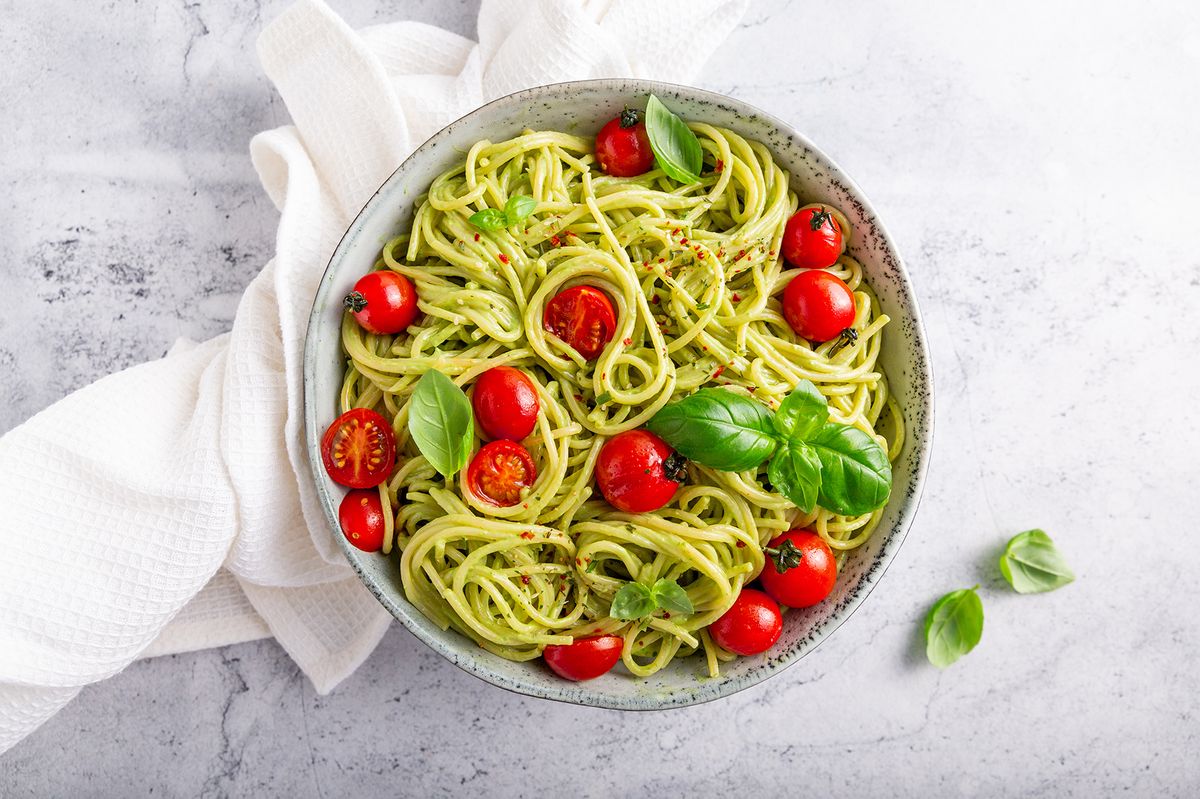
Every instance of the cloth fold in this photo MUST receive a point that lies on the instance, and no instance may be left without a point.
(170, 507)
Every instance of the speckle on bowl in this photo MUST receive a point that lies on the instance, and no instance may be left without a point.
(586, 105)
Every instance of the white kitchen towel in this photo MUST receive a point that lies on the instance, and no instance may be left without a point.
(170, 507)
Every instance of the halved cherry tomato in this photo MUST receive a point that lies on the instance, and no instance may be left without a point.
(586, 658)
(800, 569)
(812, 239)
(359, 449)
(638, 472)
(506, 403)
(583, 317)
(818, 305)
(361, 517)
(752, 625)
(623, 146)
(383, 302)
(499, 472)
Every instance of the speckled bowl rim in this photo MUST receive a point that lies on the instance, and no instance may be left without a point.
(578, 693)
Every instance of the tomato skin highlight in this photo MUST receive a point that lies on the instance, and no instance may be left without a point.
(807, 248)
(818, 305)
(638, 472)
(807, 583)
(506, 403)
(359, 449)
(583, 317)
(751, 626)
(361, 518)
(498, 473)
(585, 658)
(623, 146)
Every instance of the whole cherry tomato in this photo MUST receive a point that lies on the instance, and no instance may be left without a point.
(506, 403)
(638, 472)
(623, 147)
(361, 518)
(800, 569)
(586, 658)
(499, 472)
(812, 239)
(583, 317)
(359, 449)
(752, 625)
(818, 305)
(383, 302)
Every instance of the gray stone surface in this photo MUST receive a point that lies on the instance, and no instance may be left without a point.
(1036, 163)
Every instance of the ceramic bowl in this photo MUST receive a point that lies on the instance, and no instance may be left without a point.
(583, 107)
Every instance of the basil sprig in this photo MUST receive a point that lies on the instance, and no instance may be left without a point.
(518, 207)
(812, 461)
(1032, 564)
(953, 626)
(440, 422)
(635, 601)
(676, 148)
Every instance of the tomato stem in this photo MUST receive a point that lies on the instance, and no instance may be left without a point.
(847, 336)
(354, 301)
(819, 218)
(629, 117)
(675, 467)
(786, 556)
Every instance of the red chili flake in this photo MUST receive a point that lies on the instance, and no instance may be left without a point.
(604, 375)
(717, 373)
(525, 505)
(720, 167)
(556, 241)
(737, 297)
(527, 535)
(772, 252)
(655, 300)
(704, 347)
(720, 253)
(666, 614)
(741, 544)
(503, 258)
(699, 254)
(741, 254)
(525, 579)
(578, 561)
(627, 342)
(662, 260)
(683, 241)
(476, 237)
(579, 397)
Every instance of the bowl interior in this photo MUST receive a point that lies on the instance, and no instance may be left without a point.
(583, 107)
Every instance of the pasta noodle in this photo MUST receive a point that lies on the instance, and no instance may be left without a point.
(694, 273)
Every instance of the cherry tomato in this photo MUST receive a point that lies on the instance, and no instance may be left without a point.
(801, 571)
(751, 626)
(361, 517)
(506, 403)
(359, 449)
(583, 317)
(812, 239)
(586, 658)
(818, 305)
(499, 471)
(383, 302)
(623, 147)
(638, 472)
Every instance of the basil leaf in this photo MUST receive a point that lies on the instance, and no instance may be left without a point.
(632, 601)
(669, 596)
(953, 626)
(518, 207)
(717, 428)
(802, 412)
(440, 422)
(795, 472)
(675, 147)
(1032, 564)
(856, 476)
(489, 219)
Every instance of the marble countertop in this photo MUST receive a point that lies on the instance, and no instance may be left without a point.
(1036, 164)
